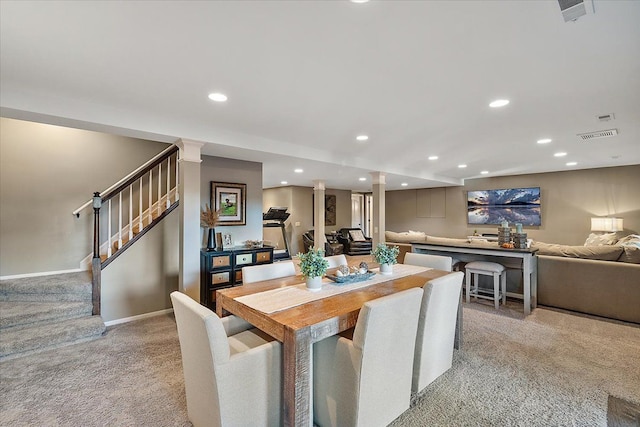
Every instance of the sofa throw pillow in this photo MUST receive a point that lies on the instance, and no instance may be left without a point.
(601, 239)
(357, 236)
(630, 240)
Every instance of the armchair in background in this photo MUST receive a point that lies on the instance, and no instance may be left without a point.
(331, 245)
(354, 241)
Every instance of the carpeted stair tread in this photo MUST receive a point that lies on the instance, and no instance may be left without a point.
(57, 287)
(14, 343)
(16, 315)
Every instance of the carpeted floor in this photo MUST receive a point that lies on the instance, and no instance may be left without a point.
(549, 369)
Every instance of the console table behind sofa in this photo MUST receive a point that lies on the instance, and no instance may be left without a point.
(514, 258)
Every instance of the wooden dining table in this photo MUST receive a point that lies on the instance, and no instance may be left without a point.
(298, 327)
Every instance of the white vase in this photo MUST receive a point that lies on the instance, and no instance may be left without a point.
(314, 284)
(386, 268)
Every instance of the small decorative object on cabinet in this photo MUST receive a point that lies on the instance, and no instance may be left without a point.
(223, 268)
(209, 219)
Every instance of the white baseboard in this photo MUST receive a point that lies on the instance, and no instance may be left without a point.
(42, 273)
(138, 317)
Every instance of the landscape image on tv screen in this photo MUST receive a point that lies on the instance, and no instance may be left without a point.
(512, 205)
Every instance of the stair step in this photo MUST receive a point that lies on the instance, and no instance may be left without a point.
(56, 287)
(19, 315)
(16, 343)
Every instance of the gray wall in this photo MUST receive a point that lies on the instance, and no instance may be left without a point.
(299, 200)
(568, 201)
(45, 173)
(240, 172)
(140, 280)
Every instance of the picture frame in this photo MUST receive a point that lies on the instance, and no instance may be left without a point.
(227, 240)
(230, 199)
(329, 209)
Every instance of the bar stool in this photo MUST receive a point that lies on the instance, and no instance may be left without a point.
(499, 274)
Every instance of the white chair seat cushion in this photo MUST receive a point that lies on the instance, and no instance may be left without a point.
(492, 267)
(247, 340)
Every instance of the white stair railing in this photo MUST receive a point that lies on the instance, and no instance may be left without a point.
(115, 229)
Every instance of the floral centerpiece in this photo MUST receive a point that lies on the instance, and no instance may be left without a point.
(386, 256)
(313, 266)
(209, 219)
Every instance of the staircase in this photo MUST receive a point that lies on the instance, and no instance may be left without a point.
(46, 312)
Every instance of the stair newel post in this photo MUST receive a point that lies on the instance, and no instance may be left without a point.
(96, 266)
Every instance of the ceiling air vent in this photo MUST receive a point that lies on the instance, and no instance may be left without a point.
(598, 134)
(572, 9)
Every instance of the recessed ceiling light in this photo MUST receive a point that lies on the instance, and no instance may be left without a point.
(499, 103)
(362, 178)
(362, 137)
(283, 182)
(404, 184)
(298, 170)
(218, 97)
(571, 163)
(359, 1)
(462, 166)
(560, 154)
(544, 141)
(484, 172)
(433, 157)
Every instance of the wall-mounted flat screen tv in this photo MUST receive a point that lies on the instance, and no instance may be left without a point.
(512, 205)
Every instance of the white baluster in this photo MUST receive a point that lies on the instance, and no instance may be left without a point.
(120, 220)
(109, 237)
(177, 178)
(168, 182)
(150, 196)
(140, 224)
(130, 212)
(159, 188)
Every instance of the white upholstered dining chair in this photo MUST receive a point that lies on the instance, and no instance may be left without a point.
(232, 374)
(336, 260)
(366, 381)
(438, 262)
(257, 273)
(436, 329)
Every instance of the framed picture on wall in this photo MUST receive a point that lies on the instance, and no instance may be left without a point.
(230, 200)
(329, 210)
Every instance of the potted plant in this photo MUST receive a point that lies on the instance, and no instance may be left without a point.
(209, 218)
(386, 256)
(313, 266)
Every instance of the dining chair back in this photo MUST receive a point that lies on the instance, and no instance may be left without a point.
(366, 381)
(438, 262)
(231, 372)
(257, 273)
(436, 329)
(336, 260)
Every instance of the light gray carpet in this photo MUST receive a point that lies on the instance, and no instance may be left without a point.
(549, 369)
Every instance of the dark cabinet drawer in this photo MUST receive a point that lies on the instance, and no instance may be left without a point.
(220, 278)
(244, 259)
(264, 256)
(221, 261)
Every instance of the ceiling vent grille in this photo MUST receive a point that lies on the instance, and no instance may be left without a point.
(598, 134)
(572, 9)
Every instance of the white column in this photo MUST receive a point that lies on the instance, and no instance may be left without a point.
(189, 195)
(378, 214)
(318, 214)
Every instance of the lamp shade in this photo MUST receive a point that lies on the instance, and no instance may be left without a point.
(606, 224)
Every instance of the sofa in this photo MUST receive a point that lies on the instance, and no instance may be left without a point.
(600, 278)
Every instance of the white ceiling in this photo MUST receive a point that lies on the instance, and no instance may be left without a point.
(304, 78)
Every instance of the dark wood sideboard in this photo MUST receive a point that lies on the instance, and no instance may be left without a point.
(223, 269)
